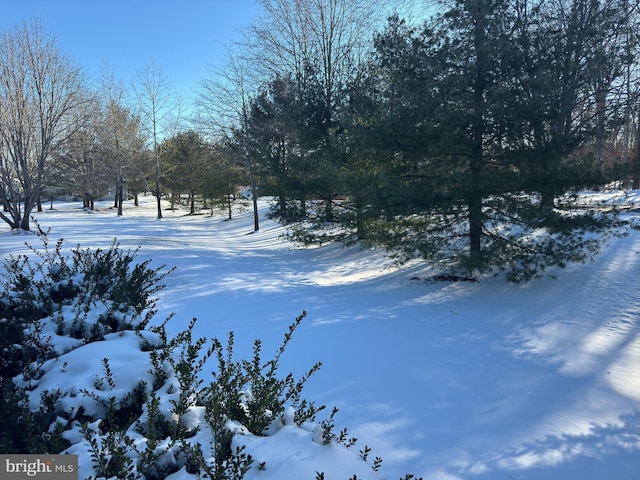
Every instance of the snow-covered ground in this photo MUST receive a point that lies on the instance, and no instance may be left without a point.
(485, 380)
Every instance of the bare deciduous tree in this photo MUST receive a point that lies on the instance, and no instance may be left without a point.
(40, 88)
(159, 109)
(324, 38)
(223, 103)
(120, 137)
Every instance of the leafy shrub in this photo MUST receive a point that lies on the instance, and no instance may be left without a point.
(85, 296)
(61, 305)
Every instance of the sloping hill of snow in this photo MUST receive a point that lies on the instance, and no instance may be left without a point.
(447, 381)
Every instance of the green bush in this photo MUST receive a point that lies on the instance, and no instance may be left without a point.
(169, 420)
(62, 289)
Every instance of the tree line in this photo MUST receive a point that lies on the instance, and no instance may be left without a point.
(455, 137)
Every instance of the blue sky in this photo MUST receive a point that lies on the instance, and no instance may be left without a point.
(184, 37)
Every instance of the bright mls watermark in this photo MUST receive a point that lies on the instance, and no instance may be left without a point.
(50, 467)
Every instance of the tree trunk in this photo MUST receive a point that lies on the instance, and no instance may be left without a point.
(474, 195)
(29, 203)
(159, 201)
(303, 205)
(547, 196)
(635, 162)
(119, 195)
(24, 224)
(547, 182)
(635, 175)
(254, 196)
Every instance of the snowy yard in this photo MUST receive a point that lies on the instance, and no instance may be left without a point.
(485, 380)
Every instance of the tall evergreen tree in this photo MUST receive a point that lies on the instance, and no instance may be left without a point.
(423, 104)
